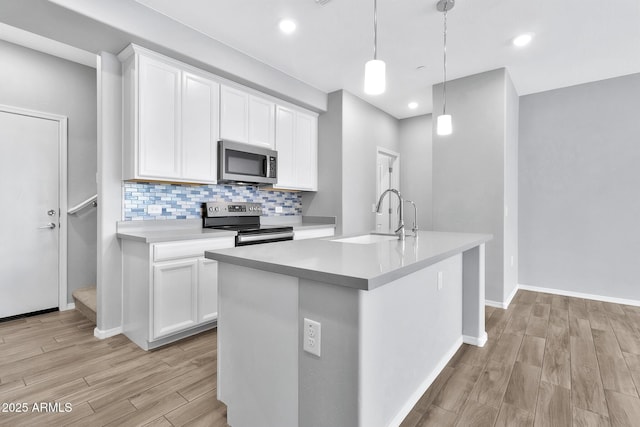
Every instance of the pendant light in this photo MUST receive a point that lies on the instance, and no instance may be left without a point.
(375, 70)
(444, 125)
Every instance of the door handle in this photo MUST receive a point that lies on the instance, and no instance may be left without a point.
(50, 225)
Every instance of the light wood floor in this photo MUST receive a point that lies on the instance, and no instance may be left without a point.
(550, 361)
(55, 358)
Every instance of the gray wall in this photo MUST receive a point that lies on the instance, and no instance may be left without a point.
(42, 82)
(579, 188)
(364, 128)
(349, 134)
(416, 168)
(511, 190)
(469, 167)
(327, 201)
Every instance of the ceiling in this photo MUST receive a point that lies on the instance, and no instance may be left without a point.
(575, 41)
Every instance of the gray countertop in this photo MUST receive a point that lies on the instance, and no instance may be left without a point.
(173, 230)
(359, 266)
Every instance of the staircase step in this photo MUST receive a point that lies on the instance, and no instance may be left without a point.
(85, 300)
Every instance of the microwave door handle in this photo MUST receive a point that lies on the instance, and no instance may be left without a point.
(266, 166)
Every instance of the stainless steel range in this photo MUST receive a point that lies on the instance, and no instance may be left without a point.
(244, 218)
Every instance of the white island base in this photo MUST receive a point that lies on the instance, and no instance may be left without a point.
(380, 348)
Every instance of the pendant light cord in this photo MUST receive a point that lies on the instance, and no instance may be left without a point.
(375, 29)
(444, 85)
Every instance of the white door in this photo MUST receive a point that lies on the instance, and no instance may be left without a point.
(29, 218)
(174, 296)
(261, 122)
(207, 290)
(387, 166)
(200, 125)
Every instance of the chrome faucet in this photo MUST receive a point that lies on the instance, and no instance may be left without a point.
(415, 217)
(400, 231)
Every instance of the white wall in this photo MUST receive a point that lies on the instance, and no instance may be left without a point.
(109, 259)
(579, 188)
(416, 169)
(97, 26)
(42, 82)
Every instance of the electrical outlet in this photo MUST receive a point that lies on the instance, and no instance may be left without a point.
(278, 209)
(312, 337)
(440, 280)
(154, 209)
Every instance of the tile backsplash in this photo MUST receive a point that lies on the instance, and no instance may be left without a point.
(174, 201)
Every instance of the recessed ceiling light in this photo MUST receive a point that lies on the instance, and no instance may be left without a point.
(413, 105)
(287, 26)
(522, 40)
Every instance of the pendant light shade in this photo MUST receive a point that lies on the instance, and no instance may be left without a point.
(444, 126)
(375, 77)
(375, 70)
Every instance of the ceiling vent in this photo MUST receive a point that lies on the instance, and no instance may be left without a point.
(322, 2)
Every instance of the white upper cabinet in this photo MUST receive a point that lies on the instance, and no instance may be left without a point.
(297, 146)
(234, 114)
(175, 114)
(285, 122)
(159, 120)
(171, 120)
(307, 151)
(200, 105)
(246, 118)
(261, 122)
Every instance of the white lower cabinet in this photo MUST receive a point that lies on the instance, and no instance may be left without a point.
(175, 296)
(170, 291)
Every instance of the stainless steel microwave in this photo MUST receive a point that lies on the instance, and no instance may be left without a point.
(246, 164)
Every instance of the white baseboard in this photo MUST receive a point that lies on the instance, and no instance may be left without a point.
(503, 305)
(477, 341)
(582, 295)
(404, 411)
(106, 334)
(69, 306)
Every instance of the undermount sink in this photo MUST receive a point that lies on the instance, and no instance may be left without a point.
(367, 239)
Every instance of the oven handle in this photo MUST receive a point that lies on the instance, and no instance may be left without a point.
(265, 236)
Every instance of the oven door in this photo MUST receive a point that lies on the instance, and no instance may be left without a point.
(244, 163)
(245, 238)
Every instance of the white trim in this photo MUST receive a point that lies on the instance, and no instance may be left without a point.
(496, 304)
(477, 341)
(413, 399)
(503, 305)
(62, 193)
(108, 333)
(70, 306)
(562, 292)
(46, 45)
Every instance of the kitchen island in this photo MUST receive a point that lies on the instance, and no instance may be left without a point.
(391, 315)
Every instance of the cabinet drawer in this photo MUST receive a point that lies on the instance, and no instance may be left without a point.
(189, 248)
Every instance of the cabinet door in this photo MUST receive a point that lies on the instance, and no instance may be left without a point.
(207, 290)
(159, 119)
(285, 119)
(234, 114)
(200, 115)
(261, 122)
(306, 149)
(175, 286)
